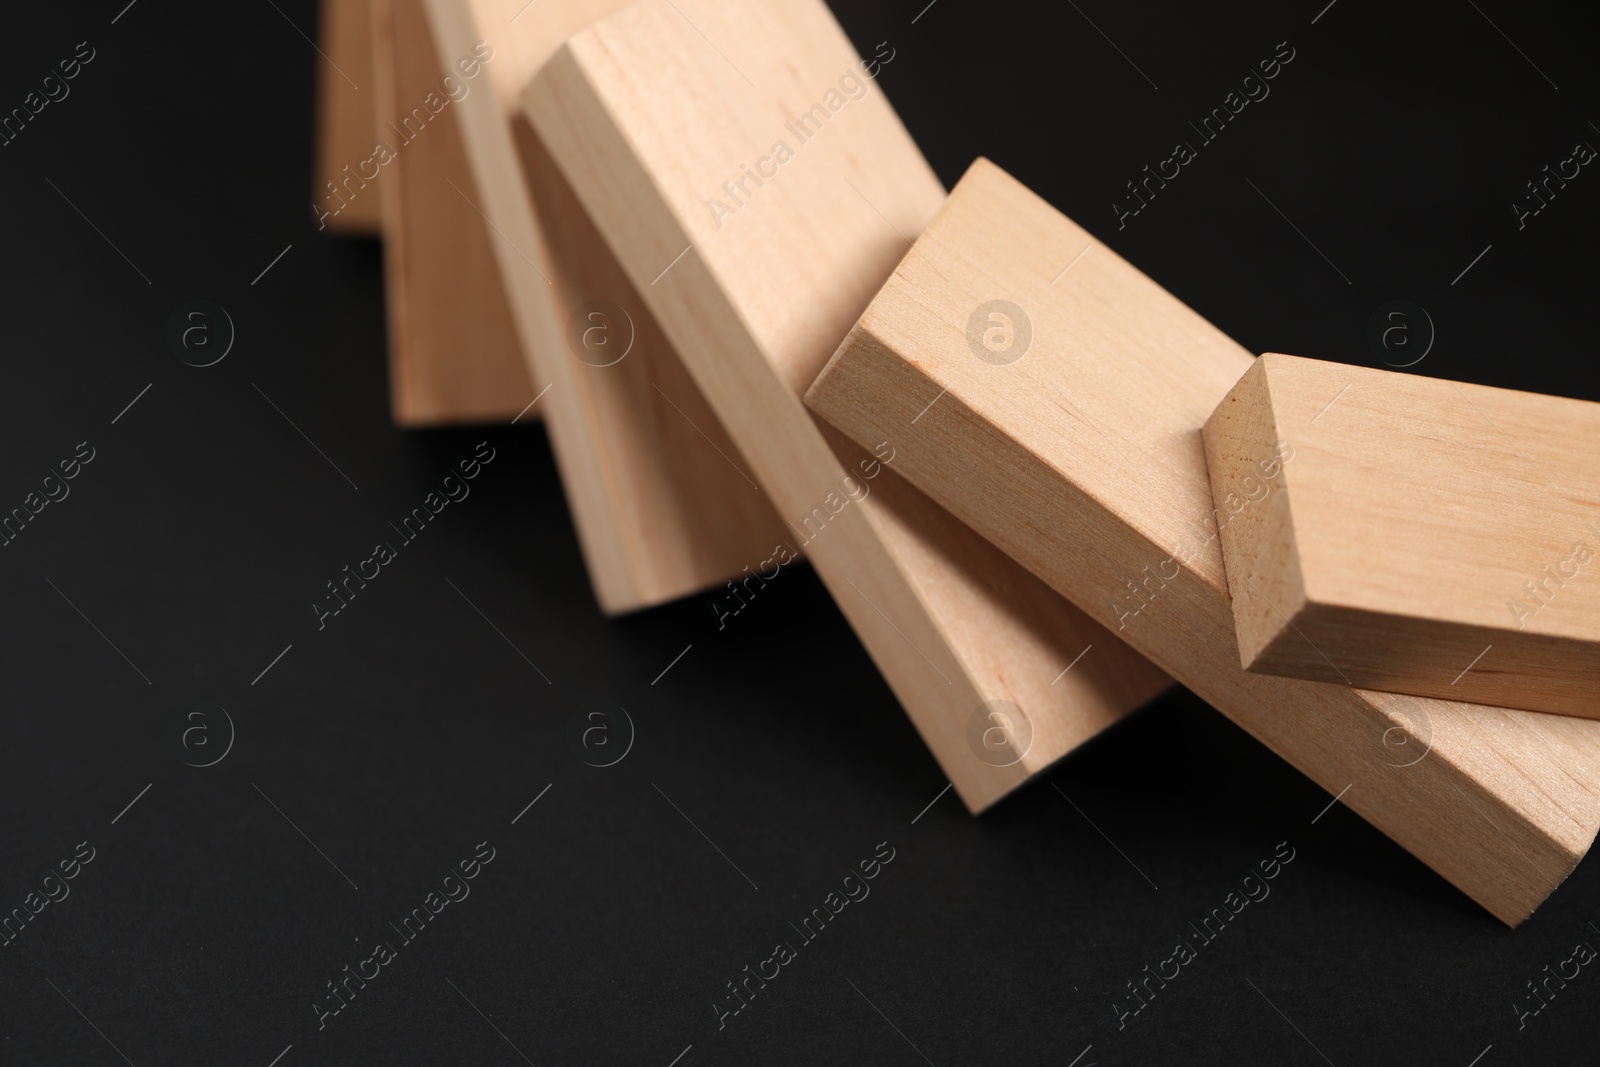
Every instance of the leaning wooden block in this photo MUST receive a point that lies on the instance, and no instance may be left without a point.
(347, 116)
(1429, 537)
(507, 295)
(1052, 396)
(756, 187)
(454, 353)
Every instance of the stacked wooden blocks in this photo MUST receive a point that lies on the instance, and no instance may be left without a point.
(655, 223)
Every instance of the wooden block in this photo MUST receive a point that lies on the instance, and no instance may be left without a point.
(1051, 395)
(454, 352)
(496, 272)
(347, 114)
(648, 113)
(1428, 537)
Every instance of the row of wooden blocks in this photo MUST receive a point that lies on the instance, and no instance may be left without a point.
(1039, 487)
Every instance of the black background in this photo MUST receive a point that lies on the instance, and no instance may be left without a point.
(409, 730)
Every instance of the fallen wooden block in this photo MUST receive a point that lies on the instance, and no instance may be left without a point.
(666, 120)
(501, 294)
(1429, 537)
(1051, 395)
(347, 116)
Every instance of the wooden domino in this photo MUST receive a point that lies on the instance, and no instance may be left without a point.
(454, 352)
(1428, 536)
(347, 115)
(1051, 395)
(501, 295)
(757, 189)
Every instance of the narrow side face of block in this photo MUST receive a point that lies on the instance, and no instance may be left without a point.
(757, 189)
(1059, 413)
(1444, 535)
(1246, 460)
(454, 354)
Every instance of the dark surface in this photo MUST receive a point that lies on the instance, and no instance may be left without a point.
(408, 730)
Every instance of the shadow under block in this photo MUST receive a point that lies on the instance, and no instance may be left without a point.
(1427, 537)
(347, 113)
(646, 119)
(520, 299)
(1076, 448)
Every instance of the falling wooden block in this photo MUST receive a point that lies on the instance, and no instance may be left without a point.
(347, 115)
(1428, 537)
(1047, 392)
(658, 116)
(495, 272)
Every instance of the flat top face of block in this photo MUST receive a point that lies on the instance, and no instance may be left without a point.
(1437, 499)
(780, 159)
(1066, 301)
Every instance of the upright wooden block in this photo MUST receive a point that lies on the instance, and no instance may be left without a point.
(659, 116)
(1052, 396)
(1429, 537)
(347, 114)
(503, 293)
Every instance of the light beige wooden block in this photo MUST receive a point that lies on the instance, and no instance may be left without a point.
(347, 116)
(454, 352)
(1064, 424)
(502, 293)
(648, 113)
(1429, 537)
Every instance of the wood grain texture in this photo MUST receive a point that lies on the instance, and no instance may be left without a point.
(647, 114)
(1429, 537)
(347, 113)
(1083, 459)
(511, 296)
